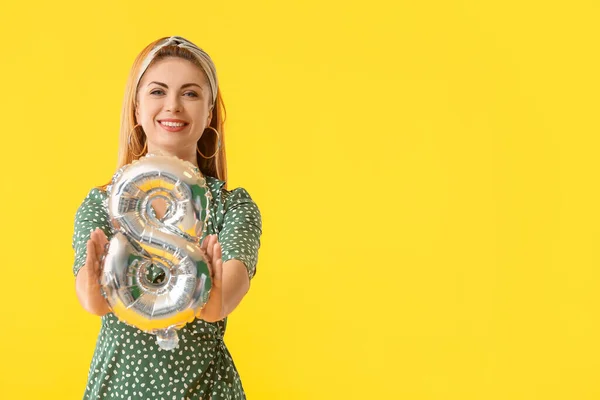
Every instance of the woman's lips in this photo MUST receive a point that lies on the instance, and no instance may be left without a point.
(172, 127)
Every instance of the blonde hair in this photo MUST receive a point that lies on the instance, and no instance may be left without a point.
(132, 141)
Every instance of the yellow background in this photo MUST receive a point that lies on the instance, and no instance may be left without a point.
(427, 174)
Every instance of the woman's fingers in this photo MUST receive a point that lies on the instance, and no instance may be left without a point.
(90, 259)
(217, 265)
(212, 239)
(104, 244)
(103, 238)
(95, 251)
(99, 248)
(204, 244)
(212, 249)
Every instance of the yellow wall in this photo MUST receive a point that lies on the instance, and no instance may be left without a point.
(426, 170)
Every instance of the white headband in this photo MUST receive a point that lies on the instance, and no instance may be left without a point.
(207, 64)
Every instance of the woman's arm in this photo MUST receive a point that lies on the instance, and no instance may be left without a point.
(235, 285)
(86, 283)
(89, 295)
(233, 252)
(230, 283)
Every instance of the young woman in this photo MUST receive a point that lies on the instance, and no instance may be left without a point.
(172, 105)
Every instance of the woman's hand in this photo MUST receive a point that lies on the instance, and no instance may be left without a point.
(88, 278)
(95, 250)
(213, 310)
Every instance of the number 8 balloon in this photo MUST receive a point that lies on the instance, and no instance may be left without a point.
(155, 275)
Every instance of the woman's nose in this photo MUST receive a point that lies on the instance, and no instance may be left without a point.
(173, 104)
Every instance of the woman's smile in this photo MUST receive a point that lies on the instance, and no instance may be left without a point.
(173, 125)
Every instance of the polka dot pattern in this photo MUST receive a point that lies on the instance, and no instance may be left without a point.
(127, 363)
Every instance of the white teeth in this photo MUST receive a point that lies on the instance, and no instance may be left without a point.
(172, 123)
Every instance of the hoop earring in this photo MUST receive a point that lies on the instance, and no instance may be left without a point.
(218, 144)
(145, 142)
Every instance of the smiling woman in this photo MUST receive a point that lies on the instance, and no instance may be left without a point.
(173, 96)
(172, 105)
(175, 74)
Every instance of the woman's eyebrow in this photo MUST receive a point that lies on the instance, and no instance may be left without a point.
(182, 86)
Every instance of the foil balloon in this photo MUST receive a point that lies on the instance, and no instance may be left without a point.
(155, 275)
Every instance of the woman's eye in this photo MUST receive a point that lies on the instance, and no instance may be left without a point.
(161, 92)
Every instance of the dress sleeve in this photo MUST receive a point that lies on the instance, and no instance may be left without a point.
(241, 231)
(90, 215)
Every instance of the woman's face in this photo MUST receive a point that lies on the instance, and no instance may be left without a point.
(172, 106)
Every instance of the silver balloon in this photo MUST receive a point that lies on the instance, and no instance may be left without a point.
(155, 275)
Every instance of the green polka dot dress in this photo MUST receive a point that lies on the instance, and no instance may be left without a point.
(127, 363)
